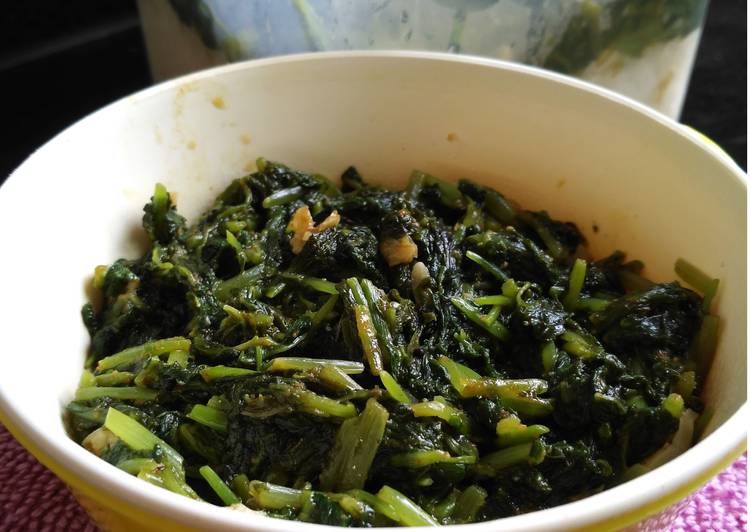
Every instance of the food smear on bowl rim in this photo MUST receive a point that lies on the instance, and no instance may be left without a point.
(357, 356)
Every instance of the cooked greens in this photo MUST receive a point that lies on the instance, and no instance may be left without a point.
(566, 37)
(625, 26)
(358, 356)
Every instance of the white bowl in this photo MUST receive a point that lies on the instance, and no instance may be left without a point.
(585, 154)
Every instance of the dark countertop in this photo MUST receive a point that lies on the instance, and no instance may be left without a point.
(61, 61)
(716, 102)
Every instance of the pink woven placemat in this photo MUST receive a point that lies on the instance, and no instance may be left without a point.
(33, 498)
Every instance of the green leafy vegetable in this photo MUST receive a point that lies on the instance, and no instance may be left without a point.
(474, 368)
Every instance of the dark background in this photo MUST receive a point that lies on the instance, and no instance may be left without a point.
(62, 60)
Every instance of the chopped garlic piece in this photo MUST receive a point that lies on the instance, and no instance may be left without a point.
(398, 251)
(332, 220)
(99, 441)
(419, 274)
(240, 507)
(302, 226)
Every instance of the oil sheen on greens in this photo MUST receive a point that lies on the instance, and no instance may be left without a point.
(364, 357)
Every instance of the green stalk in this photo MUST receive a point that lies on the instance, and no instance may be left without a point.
(241, 486)
(468, 504)
(555, 249)
(440, 408)
(375, 300)
(333, 373)
(134, 466)
(87, 379)
(503, 388)
(169, 477)
(355, 447)
(358, 296)
(302, 326)
(496, 329)
(510, 289)
(335, 379)
(368, 338)
(637, 402)
(473, 216)
(592, 304)
(459, 374)
(633, 282)
(393, 388)
(323, 313)
(282, 197)
(686, 384)
(516, 394)
(449, 192)
(372, 328)
(301, 364)
(210, 417)
(125, 393)
(160, 203)
(274, 290)
(255, 320)
(315, 283)
(704, 345)
(235, 244)
(491, 317)
(498, 207)
(114, 378)
(577, 345)
(257, 342)
(136, 436)
(274, 497)
(528, 453)
(212, 373)
(702, 422)
(613, 404)
(709, 295)
(178, 357)
(445, 507)
(486, 265)
(379, 505)
(575, 283)
(236, 225)
(259, 357)
(548, 355)
(319, 405)
(699, 280)
(352, 505)
(673, 403)
(219, 402)
(512, 432)
(529, 407)
(174, 481)
(421, 458)
(218, 485)
(149, 374)
(415, 185)
(407, 512)
(242, 280)
(499, 300)
(134, 354)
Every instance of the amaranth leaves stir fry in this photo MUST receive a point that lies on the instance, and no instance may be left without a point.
(360, 357)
